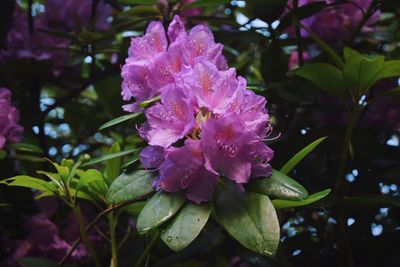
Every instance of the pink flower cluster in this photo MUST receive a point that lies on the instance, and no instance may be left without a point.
(207, 123)
(10, 130)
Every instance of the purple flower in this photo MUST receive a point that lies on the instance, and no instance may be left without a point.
(156, 60)
(40, 46)
(337, 21)
(73, 15)
(185, 168)
(233, 149)
(10, 130)
(171, 119)
(207, 123)
(45, 239)
(152, 157)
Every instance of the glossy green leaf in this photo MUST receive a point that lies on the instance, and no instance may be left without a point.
(29, 182)
(130, 186)
(285, 204)
(113, 166)
(250, 218)
(327, 77)
(160, 208)
(150, 101)
(119, 120)
(92, 179)
(109, 156)
(300, 155)
(185, 226)
(23, 147)
(278, 185)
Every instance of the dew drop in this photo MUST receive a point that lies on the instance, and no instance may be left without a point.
(169, 238)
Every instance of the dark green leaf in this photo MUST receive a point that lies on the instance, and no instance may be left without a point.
(185, 226)
(285, 204)
(27, 148)
(274, 64)
(3, 154)
(278, 185)
(36, 262)
(327, 77)
(250, 218)
(150, 101)
(160, 208)
(113, 166)
(120, 120)
(300, 155)
(130, 186)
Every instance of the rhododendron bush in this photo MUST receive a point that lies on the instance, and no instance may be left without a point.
(199, 133)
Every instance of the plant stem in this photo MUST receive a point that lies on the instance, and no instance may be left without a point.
(298, 33)
(112, 222)
(345, 149)
(90, 226)
(84, 235)
(147, 250)
(368, 13)
(345, 247)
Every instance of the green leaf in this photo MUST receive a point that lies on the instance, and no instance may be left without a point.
(360, 71)
(119, 120)
(370, 201)
(3, 154)
(36, 262)
(363, 71)
(109, 156)
(131, 161)
(250, 218)
(150, 101)
(285, 204)
(92, 178)
(55, 177)
(130, 186)
(327, 77)
(300, 155)
(29, 182)
(160, 208)
(27, 148)
(185, 226)
(113, 166)
(278, 185)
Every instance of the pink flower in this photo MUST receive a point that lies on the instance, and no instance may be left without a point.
(337, 22)
(10, 130)
(155, 60)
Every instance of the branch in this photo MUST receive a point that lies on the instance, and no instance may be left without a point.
(90, 226)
